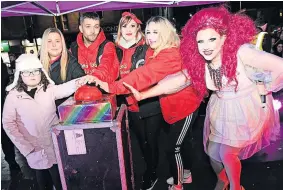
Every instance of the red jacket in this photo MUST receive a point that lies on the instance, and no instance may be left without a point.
(125, 66)
(108, 69)
(168, 61)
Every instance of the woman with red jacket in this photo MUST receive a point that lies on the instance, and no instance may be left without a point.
(178, 109)
(145, 117)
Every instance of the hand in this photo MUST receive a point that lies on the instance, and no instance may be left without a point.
(136, 93)
(85, 79)
(102, 85)
(91, 79)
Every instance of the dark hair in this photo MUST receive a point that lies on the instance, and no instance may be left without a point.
(91, 15)
(21, 86)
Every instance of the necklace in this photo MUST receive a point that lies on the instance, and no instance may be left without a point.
(216, 75)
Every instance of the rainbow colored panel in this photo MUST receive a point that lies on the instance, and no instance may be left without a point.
(71, 112)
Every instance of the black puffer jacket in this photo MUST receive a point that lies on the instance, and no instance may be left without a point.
(74, 70)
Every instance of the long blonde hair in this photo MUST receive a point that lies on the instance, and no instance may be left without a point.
(126, 20)
(168, 36)
(44, 57)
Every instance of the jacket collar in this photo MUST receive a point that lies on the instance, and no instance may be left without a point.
(126, 45)
(99, 39)
(24, 95)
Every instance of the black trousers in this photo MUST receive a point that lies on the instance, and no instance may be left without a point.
(146, 131)
(48, 177)
(176, 150)
(7, 146)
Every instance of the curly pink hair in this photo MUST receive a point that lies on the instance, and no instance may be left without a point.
(239, 29)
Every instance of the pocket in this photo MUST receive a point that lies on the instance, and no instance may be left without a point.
(37, 160)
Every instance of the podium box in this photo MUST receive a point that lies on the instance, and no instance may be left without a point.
(95, 156)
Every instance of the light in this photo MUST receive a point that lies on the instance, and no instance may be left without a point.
(277, 104)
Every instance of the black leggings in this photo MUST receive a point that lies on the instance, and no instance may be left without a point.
(7, 145)
(45, 182)
(147, 131)
(177, 133)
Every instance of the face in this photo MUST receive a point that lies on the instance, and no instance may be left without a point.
(54, 44)
(210, 43)
(31, 77)
(279, 48)
(272, 41)
(281, 36)
(12, 57)
(90, 29)
(152, 35)
(129, 31)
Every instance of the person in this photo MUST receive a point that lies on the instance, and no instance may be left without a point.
(94, 52)
(145, 118)
(217, 55)
(30, 112)
(7, 145)
(56, 59)
(278, 48)
(179, 109)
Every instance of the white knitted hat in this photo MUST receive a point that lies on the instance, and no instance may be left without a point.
(27, 62)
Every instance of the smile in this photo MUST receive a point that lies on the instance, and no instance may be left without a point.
(129, 34)
(208, 52)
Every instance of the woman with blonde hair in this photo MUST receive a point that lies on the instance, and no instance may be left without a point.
(56, 59)
(179, 109)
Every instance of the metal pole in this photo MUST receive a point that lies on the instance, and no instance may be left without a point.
(34, 38)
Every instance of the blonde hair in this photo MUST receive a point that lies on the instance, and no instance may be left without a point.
(168, 36)
(126, 20)
(44, 57)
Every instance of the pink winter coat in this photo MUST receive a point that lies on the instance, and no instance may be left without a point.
(28, 122)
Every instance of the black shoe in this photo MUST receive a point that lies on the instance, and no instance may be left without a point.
(149, 182)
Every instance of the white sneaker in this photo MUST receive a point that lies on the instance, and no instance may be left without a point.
(187, 178)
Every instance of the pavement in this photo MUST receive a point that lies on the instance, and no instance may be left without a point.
(264, 171)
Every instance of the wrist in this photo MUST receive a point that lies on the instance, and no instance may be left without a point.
(142, 96)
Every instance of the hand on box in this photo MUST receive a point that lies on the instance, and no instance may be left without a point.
(102, 85)
(136, 93)
(85, 79)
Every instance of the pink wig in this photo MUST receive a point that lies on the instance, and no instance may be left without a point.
(239, 29)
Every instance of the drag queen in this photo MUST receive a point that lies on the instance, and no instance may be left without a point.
(217, 55)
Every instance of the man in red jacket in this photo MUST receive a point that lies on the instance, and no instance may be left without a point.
(93, 51)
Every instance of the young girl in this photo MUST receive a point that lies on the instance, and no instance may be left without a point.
(30, 112)
(179, 109)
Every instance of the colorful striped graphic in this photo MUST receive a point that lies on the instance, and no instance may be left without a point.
(92, 112)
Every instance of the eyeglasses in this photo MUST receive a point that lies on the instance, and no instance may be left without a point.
(28, 73)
